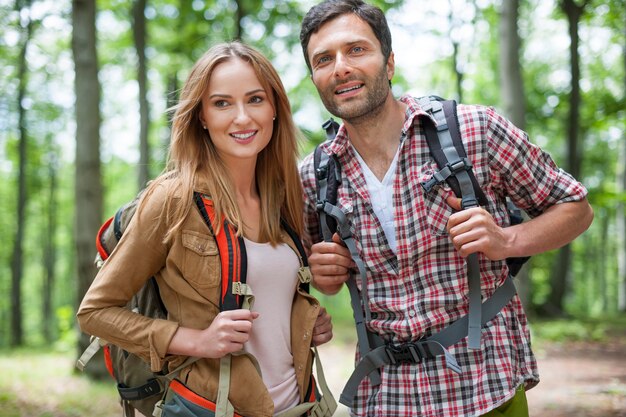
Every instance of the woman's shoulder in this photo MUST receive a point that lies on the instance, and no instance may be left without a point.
(161, 191)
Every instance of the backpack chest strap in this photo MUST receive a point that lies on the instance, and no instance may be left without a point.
(428, 348)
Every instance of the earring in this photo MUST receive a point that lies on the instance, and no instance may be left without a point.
(274, 118)
(204, 127)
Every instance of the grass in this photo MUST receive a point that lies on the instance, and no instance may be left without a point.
(37, 383)
(44, 384)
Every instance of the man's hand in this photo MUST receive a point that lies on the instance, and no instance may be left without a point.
(330, 263)
(474, 230)
(323, 330)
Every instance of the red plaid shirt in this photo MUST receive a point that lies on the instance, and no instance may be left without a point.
(423, 287)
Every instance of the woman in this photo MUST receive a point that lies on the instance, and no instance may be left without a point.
(234, 141)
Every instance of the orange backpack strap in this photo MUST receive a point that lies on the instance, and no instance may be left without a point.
(232, 251)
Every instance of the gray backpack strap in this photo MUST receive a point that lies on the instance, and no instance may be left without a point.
(332, 219)
(460, 168)
(435, 345)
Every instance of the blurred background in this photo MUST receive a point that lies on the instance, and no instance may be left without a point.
(84, 92)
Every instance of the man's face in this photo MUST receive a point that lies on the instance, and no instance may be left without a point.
(348, 67)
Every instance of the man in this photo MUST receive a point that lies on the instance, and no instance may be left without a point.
(414, 243)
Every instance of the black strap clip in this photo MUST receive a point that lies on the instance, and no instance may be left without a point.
(451, 169)
(150, 388)
(406, 353)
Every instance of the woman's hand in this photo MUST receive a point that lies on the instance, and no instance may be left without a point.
(227, 334)
(323, 330)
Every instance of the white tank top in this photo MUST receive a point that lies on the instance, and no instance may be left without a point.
(272, 275)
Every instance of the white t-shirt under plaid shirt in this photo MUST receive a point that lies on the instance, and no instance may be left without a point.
(423, 287)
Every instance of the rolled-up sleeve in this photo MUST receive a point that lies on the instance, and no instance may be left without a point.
(524, 171)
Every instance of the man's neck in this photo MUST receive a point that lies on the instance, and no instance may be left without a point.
(376, 137)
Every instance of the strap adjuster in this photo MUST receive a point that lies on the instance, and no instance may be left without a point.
(462, 164)
(451, 169)
(321, 173)
(406, 353)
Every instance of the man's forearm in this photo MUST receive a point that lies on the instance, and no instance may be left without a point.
(556, 227)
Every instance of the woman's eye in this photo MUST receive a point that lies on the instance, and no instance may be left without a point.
(221, 103)
(256, 99)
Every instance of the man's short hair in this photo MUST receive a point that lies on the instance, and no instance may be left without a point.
(332, 9)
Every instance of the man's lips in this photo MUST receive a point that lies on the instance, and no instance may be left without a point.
(345, 89)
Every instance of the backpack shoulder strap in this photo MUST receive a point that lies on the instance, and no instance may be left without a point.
(447, 149)
(327, 180)
(304, 275)
(232, 252)
(331, 220)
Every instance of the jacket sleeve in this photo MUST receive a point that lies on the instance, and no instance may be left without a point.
(139, 255)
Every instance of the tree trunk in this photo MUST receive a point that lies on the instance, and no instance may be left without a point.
(455, 54)
(240, 14)
(88, 184)
(139, 35)
(513, 99)
(17, 262)
(621, 214)
(558, 280)
(511, 82)
(49, 254)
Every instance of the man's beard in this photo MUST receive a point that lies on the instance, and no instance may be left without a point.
(361, 109)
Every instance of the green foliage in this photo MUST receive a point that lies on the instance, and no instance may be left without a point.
(180, 31)
(579, 329)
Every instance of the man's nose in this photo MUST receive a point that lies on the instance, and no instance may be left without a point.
(342, 66)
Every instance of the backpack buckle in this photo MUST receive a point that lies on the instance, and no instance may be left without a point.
(406, 353)
(304, 275)
(240, 288)
(430, 184)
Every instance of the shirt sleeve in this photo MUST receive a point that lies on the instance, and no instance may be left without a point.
(139, 255)
(524, 172)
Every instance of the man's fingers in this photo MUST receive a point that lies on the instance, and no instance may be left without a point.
(454, 202)
(337, 239)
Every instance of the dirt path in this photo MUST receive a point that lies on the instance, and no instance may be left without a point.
(577, 379)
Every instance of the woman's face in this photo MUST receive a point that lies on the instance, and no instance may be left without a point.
(237, 112)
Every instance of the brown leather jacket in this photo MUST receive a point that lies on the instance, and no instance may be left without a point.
(188, 274)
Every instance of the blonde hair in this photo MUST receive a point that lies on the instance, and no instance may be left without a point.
(192, 151)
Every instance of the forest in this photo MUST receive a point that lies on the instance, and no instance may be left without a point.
(84, 124)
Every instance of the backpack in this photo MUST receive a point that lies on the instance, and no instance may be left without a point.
(138, 387)
(455, 169)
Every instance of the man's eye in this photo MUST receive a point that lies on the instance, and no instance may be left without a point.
(323, 60)
(357, 49)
